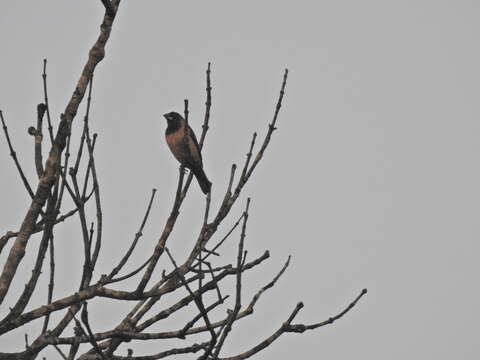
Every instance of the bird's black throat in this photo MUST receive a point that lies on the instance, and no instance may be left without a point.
(172, 126)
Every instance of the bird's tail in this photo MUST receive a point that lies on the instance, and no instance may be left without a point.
(203, 181)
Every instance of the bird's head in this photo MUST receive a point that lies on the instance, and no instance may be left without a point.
(173, 118)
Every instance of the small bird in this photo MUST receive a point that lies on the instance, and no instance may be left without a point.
(185, 148)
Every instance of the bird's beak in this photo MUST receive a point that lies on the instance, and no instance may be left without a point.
(165, 116)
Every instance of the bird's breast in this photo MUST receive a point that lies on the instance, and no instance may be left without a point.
(176, 143)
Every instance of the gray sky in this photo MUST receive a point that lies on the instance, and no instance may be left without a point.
(370, 181)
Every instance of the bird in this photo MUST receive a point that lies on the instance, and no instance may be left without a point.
(185, 148)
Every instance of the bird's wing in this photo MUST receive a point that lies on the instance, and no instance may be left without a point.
(194, 158)
(194, 147)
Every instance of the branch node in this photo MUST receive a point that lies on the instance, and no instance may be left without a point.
(109, 10)
(32, 131)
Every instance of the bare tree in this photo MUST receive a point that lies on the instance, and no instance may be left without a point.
(60, 176)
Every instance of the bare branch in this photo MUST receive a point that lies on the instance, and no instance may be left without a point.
(195, 297)
(45, 95)
(101, 291)
(266, 287)
(40, 225)
(249, 156)
(130, 274)
(135, 240)
(17, 251)
(24, 298)
(60, 352)
(271, 129)
(51, 282)
(73, 351)
(238, 298)
(89, 167)
(108, 7)
(175, 351)
(226, 236)
(159, 248)
(84, 131)
(269, 340)
(198, 316)
(87, 265)
(208, 106)
(300, 328)
(85, 321)
(205, 127)
(13, 154)
(288, 327)
(98, 240)
(38, 139)
(119, 334)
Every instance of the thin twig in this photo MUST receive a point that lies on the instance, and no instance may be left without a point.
(25, 297)
(226, 236)
(205, 221)
(87, 262)
(38, 139)
(200, 306)
(135, 240)
(238, 297)
(199, 315)
(208, 106)
(130, 274)
(85, 126)
(99, 214)
(89, 166)
(288, 327)
(196, 298)
(228, 193)
(4, 239)
(271, 129)
(249, 156)
(300, 328)
(205, 127)
(85, 321)
(175, 351)
(51, 282)
(219, 294)
(227, 205)
(185, 114)
(60, 352)
(45, 95)
(40, 225)
(73, 351)
(13, 154)
(269, 340)
(159, 248)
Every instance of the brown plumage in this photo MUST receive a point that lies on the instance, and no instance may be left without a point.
(185, 148)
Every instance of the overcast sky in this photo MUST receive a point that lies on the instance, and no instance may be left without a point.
(372, 179)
